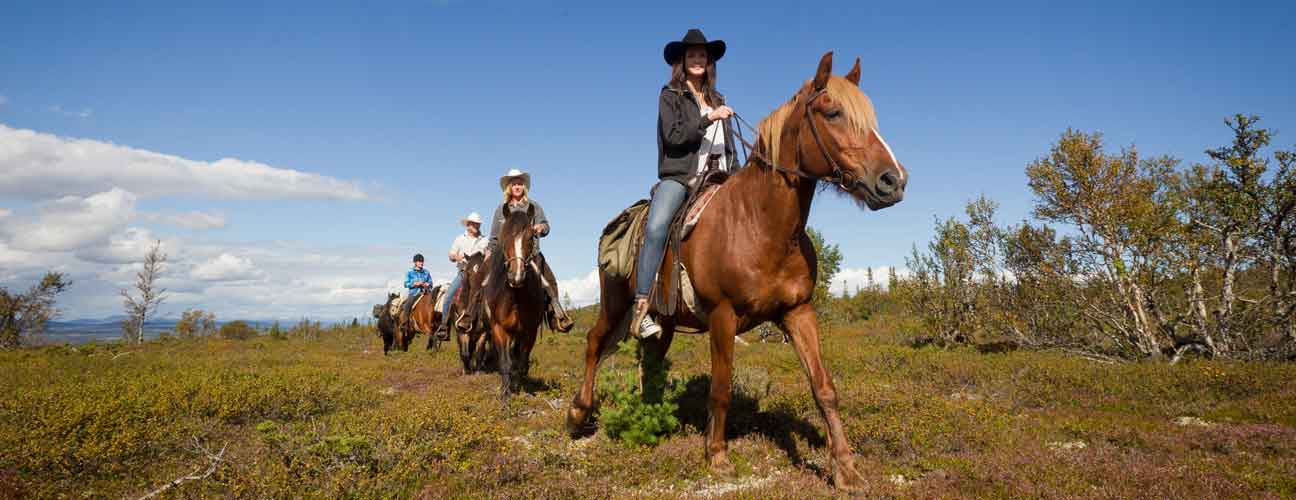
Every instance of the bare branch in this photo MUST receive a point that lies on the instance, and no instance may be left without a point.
(214, 460)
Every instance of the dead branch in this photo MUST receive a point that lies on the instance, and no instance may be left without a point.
(214, 460)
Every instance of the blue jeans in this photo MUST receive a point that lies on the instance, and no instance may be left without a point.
(666, 200)
(450, 292)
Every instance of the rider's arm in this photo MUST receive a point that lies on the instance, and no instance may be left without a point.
(678, 127)
(454, 249)
(540, 219)
(410, 279)
(495, 226)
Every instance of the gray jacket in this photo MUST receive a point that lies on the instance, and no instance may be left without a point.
(498, 220)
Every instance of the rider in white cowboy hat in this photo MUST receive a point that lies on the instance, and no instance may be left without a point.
(516, 185)
(469, 243)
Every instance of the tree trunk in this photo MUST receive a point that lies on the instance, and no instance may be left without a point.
(1197, 296)
(1224, 313)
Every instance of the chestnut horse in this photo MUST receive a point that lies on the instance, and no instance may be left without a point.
(749, 258)
(514, 299)
(469, 330)
(423, 319)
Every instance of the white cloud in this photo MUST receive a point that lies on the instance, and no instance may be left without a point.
(125, 247)
(70, 222)
(4, 212)
(856, 278)
(191, 220)
(84, 113)
(227, 267)
(35, 165)
(583, 291)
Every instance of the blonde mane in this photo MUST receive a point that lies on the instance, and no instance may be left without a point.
(857, 107)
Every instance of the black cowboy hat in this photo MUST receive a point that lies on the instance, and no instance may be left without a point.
(675, 50)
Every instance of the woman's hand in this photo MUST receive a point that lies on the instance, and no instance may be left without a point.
(720, 113)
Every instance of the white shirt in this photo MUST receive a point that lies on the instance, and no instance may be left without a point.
(466, 245)
(713, 142)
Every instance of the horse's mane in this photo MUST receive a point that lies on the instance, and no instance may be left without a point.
(857, 107)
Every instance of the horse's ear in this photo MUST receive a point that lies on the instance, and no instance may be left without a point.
(825, 71)
(853, 76)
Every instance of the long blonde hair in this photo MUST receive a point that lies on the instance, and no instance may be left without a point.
(526, 193)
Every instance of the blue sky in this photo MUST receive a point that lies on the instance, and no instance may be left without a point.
(405, 115)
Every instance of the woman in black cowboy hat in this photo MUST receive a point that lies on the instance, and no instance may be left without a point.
(693, 135)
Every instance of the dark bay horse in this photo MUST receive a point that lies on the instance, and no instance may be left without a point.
(470, 330)
(514, 299)
(750, 260)
(386, 322)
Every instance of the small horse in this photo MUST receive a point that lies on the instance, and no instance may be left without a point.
(749, 258)
(386, 322)
(423, 319)
(514, 299)
(470, 332)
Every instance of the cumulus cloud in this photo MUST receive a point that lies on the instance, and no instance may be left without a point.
(70, 222)
(227, 267)
(191, 220)
(35, 165)
(583, 290)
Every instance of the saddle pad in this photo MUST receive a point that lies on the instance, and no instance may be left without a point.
(440, 298)
(698, 206)
(689, 296)
(395, 308)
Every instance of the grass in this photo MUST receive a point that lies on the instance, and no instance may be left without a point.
(330, 416)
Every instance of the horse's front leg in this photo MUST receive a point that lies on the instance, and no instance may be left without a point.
(502, 349)
(800, 324)
(724, 325)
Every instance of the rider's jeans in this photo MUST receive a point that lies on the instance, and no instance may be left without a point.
(666, 200)
(450, 293)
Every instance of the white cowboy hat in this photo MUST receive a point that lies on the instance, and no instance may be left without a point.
(474, 218)
(512, 174)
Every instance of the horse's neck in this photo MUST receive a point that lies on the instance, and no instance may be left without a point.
(779, 202)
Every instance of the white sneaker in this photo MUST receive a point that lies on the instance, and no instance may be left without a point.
(648, 327)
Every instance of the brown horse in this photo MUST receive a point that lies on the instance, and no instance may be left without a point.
(423, 320)
(514, 299)
(749, 258)
(464, 311)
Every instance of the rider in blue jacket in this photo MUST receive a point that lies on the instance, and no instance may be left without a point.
(417, 280)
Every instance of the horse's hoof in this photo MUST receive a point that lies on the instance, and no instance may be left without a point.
(845, 476)
(721, 467)
(577, 422)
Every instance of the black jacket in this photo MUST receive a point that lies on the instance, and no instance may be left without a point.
(680, 127)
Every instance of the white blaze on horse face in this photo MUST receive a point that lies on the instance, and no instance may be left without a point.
(517, 254)
(894, 161)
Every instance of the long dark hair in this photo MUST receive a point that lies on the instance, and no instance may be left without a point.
(679, 76)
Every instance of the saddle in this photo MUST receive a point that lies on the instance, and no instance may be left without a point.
(672, 282)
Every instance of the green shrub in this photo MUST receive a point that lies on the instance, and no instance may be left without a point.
(237, 330)
(633, 416)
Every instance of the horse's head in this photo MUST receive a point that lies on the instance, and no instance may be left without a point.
(830, 131)
(517, 242)
(378, 310)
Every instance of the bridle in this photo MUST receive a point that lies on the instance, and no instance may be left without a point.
(839, 176)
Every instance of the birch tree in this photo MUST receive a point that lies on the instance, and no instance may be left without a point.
(146, 297)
